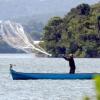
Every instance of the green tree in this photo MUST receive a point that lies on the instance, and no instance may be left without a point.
(53, 37)
(78, 32)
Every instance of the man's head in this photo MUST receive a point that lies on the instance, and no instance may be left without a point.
(70, 55)
(10, 64)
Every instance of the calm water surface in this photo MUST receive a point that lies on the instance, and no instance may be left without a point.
(45, 89)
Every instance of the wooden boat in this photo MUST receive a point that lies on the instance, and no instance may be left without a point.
(54, 76)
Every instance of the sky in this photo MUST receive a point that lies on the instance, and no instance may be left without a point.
(74, 3)
(77, 1)
(17, 8)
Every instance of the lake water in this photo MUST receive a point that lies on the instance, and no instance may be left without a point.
(45, 89)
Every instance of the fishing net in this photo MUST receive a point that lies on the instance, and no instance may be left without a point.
(13, 34)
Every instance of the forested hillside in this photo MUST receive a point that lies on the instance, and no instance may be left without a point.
(78, 32)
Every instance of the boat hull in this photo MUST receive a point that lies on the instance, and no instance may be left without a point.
(54, 76)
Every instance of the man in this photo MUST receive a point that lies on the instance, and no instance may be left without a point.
(71, 63)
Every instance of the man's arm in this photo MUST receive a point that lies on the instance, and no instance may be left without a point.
(66, 58)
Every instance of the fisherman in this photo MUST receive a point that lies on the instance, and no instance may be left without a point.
(71, 63)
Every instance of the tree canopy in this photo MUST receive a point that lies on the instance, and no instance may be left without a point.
(78, 32)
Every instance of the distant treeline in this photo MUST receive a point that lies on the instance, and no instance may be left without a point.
(5, 48)
(78, 32)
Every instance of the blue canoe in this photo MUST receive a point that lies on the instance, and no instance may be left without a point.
(54, 76)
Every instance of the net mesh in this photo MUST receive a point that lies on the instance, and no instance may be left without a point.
(14, 34)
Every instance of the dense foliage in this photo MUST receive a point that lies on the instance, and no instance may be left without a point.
(78, 32)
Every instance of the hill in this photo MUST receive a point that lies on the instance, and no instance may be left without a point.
(31, 13)
(78, 32)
